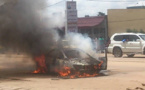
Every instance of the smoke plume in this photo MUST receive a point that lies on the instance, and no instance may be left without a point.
(23, 27)
(82, 42)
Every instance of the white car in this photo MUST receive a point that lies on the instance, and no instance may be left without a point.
(127, 43)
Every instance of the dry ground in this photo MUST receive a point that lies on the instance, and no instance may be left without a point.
(123, 74)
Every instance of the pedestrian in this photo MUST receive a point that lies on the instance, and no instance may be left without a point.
(101, 43)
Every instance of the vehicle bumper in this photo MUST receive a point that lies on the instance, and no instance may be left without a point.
(110, 49)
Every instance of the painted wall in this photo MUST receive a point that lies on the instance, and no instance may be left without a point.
(119, 20)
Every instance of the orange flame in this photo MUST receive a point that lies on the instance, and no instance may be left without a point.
(41, 66)
(67, 72)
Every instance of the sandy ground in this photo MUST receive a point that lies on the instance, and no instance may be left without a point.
(122, 74)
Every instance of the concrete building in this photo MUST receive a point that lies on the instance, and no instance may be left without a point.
(119, 20)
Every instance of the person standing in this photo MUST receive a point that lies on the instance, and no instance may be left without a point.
(101, 43)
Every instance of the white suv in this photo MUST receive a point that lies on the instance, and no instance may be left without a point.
(127, 43)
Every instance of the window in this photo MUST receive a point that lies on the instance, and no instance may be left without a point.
(118, 38)
(126, 37)
(72, 53)
(142, 36)
(133, 38)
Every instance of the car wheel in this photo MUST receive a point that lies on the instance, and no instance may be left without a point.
(130, 55)
(117, 52)
(144, 51)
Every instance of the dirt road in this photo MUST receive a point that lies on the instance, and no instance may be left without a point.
(123, 74)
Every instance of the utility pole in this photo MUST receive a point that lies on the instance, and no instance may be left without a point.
(106, 38)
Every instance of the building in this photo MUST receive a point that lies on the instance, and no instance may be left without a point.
(136, 7)
(119, 20)
(94, 26)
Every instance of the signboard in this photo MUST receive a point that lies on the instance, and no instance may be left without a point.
(71, 17)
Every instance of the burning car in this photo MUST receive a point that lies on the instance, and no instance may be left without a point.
(73, 62)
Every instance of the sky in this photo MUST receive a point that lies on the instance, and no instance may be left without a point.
(55, 9)
(91, 7)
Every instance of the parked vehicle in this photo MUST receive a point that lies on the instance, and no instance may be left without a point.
(127, 43)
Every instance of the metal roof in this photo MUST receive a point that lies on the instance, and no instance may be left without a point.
(90, 21)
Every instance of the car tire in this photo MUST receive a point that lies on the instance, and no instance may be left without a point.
(130, 55)
(117, 52)
(144, 51)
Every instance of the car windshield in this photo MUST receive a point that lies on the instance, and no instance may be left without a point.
(75, 54)
(142, 36)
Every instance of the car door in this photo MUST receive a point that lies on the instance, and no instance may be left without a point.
(133, 44)
(118, 42)
(126, 43)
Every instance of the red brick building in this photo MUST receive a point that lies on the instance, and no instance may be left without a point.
(93, 26)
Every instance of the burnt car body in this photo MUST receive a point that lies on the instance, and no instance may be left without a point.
(75, 59)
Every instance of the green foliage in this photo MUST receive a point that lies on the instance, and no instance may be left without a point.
(128, 30)
(135, 31)
(142, 31)
(101, 14)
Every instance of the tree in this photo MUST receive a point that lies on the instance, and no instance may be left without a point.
(142, 31)
(135, 31)
(128, 30)
(101, 14)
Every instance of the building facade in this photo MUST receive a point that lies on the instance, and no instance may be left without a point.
(94, 26)
(120, 20)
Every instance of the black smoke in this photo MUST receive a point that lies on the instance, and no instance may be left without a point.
(22, 27)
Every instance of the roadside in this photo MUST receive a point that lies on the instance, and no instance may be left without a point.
(123, 74)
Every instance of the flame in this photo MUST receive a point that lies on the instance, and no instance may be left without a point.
(67, 72)
(41, 66)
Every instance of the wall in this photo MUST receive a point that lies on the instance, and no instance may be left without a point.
(119, 20)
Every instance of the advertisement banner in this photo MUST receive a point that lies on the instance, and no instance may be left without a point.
(71, 17)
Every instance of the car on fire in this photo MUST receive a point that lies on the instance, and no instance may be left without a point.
(69, 61)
